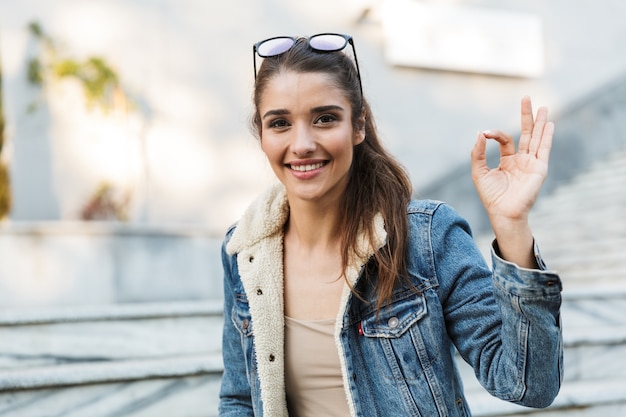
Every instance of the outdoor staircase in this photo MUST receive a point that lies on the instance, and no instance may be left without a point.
(164, 359)
(150, 359)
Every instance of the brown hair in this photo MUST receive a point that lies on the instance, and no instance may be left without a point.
(377, 184)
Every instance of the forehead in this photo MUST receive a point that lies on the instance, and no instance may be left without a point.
(290, 87)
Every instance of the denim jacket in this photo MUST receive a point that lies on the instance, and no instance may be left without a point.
(503, 321)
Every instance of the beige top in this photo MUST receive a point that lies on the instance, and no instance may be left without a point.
(313, 378)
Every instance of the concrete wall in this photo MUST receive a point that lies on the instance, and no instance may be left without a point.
(72, 264)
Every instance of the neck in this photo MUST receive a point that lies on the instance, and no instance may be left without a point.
(313, 225)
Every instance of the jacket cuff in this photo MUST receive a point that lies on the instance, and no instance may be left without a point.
(524, 280)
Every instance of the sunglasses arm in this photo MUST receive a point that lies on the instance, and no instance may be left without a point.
(254, 59)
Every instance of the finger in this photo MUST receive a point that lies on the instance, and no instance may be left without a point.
(528, 123)
(507, 144)
(543, 153)
(538, 130)
(479, 157)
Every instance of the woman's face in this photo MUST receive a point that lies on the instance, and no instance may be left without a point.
(307, 135)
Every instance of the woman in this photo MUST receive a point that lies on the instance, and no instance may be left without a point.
(344, 297)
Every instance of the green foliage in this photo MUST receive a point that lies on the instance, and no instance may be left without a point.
(5, 191)
(35, 72)
(99, 81)
(35, 29)
(5, 184)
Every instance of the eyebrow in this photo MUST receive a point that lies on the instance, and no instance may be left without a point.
(279, 112)
(320, 109)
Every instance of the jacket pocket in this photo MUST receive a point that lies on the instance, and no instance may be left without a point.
(395, 319)
(399, 346)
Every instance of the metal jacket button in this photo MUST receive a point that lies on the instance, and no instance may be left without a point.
(393, 322)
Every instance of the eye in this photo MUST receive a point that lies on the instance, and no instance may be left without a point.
(325, 119)
(278, 124)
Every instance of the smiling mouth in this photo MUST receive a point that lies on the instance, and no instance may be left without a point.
(307, 167)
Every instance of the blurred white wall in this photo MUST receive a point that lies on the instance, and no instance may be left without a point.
(188, 64)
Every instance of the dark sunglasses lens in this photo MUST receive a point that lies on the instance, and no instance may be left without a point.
(272, 47)
(328, 42)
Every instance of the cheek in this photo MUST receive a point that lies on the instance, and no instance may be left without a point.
(345, 146)
(265, 148)
(269, 147)
(343, 152)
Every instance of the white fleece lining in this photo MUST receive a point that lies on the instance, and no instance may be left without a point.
(258, 240)
(264, 287)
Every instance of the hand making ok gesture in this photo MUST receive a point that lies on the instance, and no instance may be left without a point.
(509, 190)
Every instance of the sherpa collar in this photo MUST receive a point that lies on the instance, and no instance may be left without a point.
(267, 216)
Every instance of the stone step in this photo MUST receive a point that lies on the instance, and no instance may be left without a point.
(179, 396)
(568, 199)
(581, 265)
(581, 277)
(602, 225)
(566, 244)
(594, 306)
(57, 376)
(101, 334)
(570, 203)
(604, 397)
(607, 170)
(601, 178)
(164, 359)
(138, 360)
(603, 257)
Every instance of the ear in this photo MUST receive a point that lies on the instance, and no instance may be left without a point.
(359, 133)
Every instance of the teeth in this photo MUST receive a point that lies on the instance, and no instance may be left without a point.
(305, 168)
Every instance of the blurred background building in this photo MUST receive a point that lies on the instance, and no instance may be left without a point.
(110, 277)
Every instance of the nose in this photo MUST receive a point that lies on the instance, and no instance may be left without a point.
(303, 142)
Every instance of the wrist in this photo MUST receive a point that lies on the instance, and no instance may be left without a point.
(515, 243)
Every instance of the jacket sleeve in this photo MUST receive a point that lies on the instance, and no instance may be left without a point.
(235, 393)
(504, 322)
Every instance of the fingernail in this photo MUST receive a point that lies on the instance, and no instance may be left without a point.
(486, 132)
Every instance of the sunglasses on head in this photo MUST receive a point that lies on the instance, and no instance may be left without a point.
(322, 42)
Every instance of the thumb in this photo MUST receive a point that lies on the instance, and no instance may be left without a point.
(479, 157)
